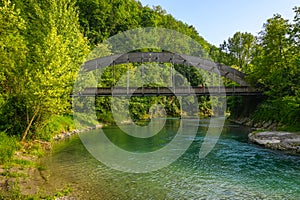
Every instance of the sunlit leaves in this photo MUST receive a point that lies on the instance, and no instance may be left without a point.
(240, 49)
(12, 73)
(276, 67)
(41, 51)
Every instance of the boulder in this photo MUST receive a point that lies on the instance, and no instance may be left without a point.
(99, 126)
(277, 140)
(266, 124)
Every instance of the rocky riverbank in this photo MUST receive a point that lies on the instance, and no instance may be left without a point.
(284, 141)
(68, 134)
(265, 125)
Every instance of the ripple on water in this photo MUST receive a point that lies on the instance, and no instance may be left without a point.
(234, 169)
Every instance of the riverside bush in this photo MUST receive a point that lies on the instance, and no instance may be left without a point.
(55, 125)
(7, 147)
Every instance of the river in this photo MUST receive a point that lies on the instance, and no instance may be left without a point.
(234, 169)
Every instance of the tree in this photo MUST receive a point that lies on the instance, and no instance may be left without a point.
(273, 62)
(13, 53)
(55, 50)
(102, 19)
(240, 49)
(276, 68)
(57, 53)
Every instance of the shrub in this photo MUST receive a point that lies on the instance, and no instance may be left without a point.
(55, 125)
(7, 147)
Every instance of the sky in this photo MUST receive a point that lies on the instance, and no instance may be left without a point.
(217, 20)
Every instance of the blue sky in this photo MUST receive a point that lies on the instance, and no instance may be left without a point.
(216, 20)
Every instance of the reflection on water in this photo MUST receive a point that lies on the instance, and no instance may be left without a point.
(235, 169)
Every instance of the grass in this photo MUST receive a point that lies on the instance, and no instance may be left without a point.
(15, 155)
(8, 146)
(10, 174)
(23, 163)
(37, 150)
(15, 193)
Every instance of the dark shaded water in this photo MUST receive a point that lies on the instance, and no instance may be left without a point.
(235, 169)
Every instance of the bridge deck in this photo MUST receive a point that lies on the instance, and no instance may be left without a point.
(165, 91)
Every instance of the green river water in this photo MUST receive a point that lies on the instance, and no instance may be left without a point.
(234, 169)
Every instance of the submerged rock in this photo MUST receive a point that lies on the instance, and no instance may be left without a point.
(277, 140)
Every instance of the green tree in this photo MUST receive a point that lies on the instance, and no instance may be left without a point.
(276, 68)
(55, 50)
(58, 52)
(273, 62)
(13, 53)
(237, 52)
(149, 18)
(102, 19)
(240, 49)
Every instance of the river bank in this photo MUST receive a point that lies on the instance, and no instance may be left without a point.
(23, 176)
(263, 125)
(68, 134)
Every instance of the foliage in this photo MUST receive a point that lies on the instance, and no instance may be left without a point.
(139, 106)
(7, 147)
(277, 69)
(12, 55)
(240, 49)
(103, 19)
(53, 126)
(48, 49)
(271, 63)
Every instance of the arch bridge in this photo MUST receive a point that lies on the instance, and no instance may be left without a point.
(167, 57)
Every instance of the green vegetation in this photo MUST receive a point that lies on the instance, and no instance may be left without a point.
(43, 44)
(15, 194)
(54, 126)
(276, 67)
(271, 61)
(102, 19)
(44, 48)
(8, 147)
(41, 51)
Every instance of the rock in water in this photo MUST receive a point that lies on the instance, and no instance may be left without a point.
(277, 140)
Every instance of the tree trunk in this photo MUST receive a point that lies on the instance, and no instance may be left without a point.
(29, 125)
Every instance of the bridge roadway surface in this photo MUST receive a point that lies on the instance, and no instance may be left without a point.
(170, 91)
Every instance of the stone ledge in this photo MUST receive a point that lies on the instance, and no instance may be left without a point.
(284, 141)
